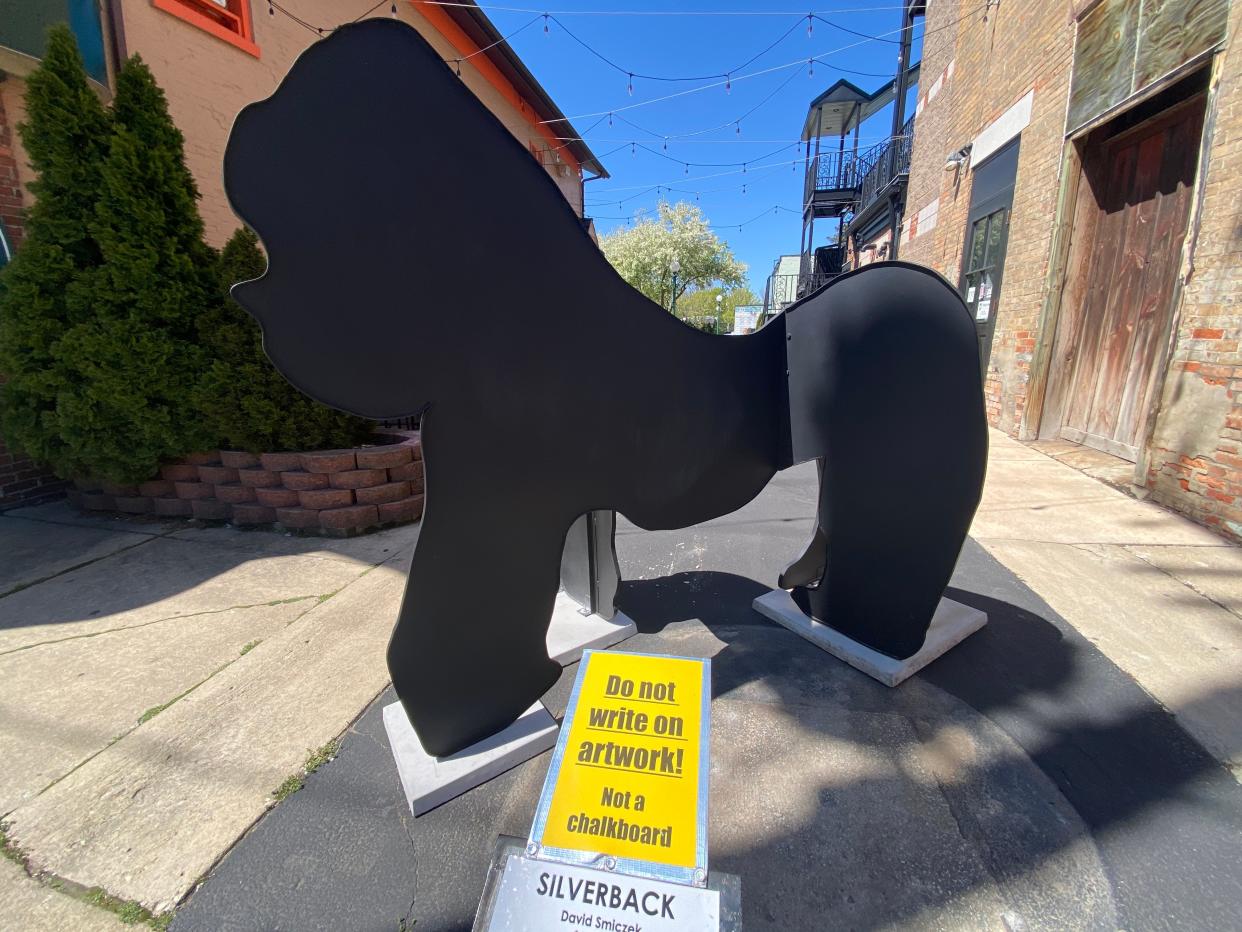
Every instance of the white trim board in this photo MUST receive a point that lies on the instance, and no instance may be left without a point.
(1004, 128)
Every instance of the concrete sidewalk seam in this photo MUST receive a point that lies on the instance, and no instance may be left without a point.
(1186, 583)
(34, 582)
(126, 530)
(1223, 545)
(349, 729)
(145, 717)
(146, 624)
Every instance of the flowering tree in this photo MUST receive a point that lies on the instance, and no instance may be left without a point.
(643, 254)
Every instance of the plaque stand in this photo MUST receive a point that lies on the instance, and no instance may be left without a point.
(952, 624)
(570, 631)
(729, 886)
(431, 781)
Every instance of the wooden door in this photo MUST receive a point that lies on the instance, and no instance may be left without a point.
(1132, 269)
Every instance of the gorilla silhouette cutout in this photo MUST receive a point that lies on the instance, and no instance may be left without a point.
(421, 262)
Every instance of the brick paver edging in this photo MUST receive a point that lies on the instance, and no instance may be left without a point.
(337, 493)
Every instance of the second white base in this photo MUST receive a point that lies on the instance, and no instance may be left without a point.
(431, 781)
(952, 624)
(570, 632)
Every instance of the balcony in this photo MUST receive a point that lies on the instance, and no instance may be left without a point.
(887, 169)
(831, 185)
(813, 271)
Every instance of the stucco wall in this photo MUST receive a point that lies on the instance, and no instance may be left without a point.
(208, 81)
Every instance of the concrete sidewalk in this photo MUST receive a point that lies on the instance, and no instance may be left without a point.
(1159, 595)
(159, 682)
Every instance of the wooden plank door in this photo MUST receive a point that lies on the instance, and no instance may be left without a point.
(1134, 261)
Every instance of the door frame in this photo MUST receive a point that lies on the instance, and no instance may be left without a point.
(1074, 224)
(1000, 199)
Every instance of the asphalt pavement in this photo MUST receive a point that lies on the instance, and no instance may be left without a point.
(1021, 782)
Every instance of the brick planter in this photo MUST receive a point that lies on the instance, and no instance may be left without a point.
(335, 493)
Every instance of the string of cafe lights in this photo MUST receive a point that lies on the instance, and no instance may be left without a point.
(549, 16)
(661, 190)
(774, 210)
(275, 6)
(810, 62)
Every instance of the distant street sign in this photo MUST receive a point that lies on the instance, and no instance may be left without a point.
(746, 319)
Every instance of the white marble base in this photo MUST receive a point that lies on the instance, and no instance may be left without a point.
(952, 624)
(430, 781)
(570, 632)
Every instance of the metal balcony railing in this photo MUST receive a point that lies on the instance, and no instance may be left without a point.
(782, 291)
(891, 162)
(831, 171)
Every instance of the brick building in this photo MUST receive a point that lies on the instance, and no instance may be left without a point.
(212, 57)
(1073, 172)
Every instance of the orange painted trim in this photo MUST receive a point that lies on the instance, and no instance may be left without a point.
(444, 24)
(207, 24)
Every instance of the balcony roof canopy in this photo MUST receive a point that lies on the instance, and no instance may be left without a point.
(845, 105)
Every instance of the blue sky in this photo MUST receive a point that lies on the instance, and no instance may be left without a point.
(587, 89)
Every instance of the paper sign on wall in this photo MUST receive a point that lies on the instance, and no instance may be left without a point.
(627, 787)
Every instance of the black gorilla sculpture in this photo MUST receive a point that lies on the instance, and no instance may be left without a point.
(421, 262)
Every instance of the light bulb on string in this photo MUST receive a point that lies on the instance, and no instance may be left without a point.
(810, 24)
(810, 67)
(743, 168)
(743, 190)
(610, 120)
(271, 10)
(545, 24)
(458, 61)
(665, 143)
(687, 164)
(728, 83)
(394, 9)
(738, 128)
(630, 85)
(633, 149)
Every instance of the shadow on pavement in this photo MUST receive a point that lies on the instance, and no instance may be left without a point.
(1021, 781)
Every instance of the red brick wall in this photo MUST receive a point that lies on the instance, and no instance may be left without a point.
(21, 481)
(1195, 455)
(10, 187)
(1022, 47)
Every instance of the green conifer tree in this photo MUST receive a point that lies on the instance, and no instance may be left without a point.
(242, 397)
(66, 138)
(137, 354)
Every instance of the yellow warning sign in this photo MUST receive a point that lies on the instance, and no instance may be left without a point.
(629, 778)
